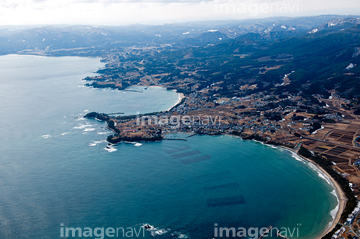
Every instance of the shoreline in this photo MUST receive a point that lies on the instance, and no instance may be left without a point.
(340, 195)
(181, 97)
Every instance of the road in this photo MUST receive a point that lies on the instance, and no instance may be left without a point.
(325, 141)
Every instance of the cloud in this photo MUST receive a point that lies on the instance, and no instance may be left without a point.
(139, 1)
(8, 4)
(145, 1)
(120, 12)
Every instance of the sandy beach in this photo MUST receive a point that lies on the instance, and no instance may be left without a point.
(181, 96)
(339, 193)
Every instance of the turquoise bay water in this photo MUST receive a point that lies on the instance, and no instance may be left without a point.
(54, 168)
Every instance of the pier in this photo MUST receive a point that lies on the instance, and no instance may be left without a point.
(191, 135)
(174, 139)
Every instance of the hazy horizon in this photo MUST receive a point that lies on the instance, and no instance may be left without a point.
(154, 12)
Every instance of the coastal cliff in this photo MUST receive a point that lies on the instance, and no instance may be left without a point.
(114, 139)
(99, 116)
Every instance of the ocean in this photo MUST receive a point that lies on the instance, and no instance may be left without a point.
(56, 173)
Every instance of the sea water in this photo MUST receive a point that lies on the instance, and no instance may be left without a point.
(56, 172)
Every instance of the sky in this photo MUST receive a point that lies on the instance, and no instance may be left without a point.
(124, 12)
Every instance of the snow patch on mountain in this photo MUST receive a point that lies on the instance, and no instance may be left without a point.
(350, 66)
(313, 30)
(356, 52)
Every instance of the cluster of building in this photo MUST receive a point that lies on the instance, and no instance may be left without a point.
(351, 228)
(211, 114)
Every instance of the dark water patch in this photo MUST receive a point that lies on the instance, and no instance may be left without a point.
(222, 186)
(211, 177)
(226, 201)
(196, 159)
(186, 154)
(176, 150)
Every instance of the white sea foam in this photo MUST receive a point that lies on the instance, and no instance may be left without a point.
(89, 129)
(94, 143)
(159, 232)
(46, 136)
(110, 149)
(62, 134)
(148, 227)
(82, 126)
(269, 145)
(179, 235)
(155, 231)
(80, 119)
(108, 90)
(336, 209)
(259, 142)
(324, 176)
(102, 133)
(313, 167)
(137, 145)
(321, 175)
(297, 157)
(182, 236)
